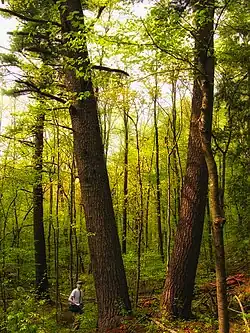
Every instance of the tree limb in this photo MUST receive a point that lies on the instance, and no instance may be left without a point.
(28, 143)
(172, 54)
(34, 88)
(101, 9)
(36, 35)
(29, 19)
(107, 69)
(62, 126)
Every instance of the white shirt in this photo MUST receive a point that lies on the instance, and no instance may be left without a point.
(76, 296)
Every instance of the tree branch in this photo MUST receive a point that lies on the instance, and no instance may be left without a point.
(29, 19)
(36, 35)
(101, 9)
(107, 69)
(175, 56)
(28, 143)
(34, 88)
(62, 126)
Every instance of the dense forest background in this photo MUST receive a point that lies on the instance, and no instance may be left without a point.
(140, 66)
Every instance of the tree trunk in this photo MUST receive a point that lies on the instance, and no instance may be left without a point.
(210, 245)
(81, 242)
(175, 148)
(216, 209)
(39, 238)
(105, 251)
(57, 227)
(147, 204)
(50, 224)
(169, 229)
(147, 215)
(16, 240)
(179, 284)
(140, 214)
(125, 182)
(157, 170)
(72, 222)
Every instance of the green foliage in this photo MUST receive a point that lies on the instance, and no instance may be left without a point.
(88, 320)
(157, 46)
(26, 314)
(9, 59)
(152, 272)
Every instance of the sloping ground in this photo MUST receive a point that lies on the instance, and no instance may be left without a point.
(149, 319)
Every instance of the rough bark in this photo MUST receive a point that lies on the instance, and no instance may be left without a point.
(179, 284)
(41, 284)
(105, 251)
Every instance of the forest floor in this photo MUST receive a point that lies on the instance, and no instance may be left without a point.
(147, 318)
(204, 311)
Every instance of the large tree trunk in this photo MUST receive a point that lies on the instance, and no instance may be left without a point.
(105, 251)
(39, 238)
(179, 284)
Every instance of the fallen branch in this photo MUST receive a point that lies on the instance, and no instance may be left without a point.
(161, 326)
(243, 313)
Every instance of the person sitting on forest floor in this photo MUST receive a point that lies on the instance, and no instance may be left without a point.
(76, 299)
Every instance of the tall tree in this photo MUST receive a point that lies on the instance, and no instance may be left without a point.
(105, 251)
(42, 284)
(125, 176)
(157, 170)
(179, 285)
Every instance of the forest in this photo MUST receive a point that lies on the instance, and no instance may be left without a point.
(124, 153)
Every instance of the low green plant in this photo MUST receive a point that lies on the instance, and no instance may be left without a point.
(28, 315)
(21, 314)
(88, 320)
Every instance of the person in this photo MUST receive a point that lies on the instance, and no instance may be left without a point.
(76, 299)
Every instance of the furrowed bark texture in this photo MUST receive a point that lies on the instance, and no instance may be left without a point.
(179, 284)
(42, 284)
(105, 251)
